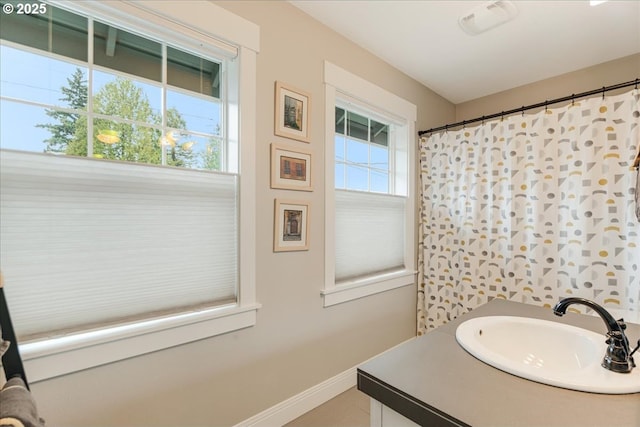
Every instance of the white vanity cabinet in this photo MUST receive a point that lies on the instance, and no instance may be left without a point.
(383, 416)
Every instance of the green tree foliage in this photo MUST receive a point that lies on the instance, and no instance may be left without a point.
(210, 157)
(120, 98)
(128, 136)
(178, 154)
(63, 132)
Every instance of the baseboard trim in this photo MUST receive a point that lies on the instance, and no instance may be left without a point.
(292, 408)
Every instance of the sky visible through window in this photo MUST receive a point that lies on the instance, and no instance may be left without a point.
(361, 153)
(40, 78)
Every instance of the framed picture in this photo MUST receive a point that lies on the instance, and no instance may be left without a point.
(292, 112)
(291, 228)
(290, 168)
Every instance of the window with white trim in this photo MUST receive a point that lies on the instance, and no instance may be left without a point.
(369, 180)
(121, 164)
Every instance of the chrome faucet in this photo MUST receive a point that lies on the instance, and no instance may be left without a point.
(618, 357)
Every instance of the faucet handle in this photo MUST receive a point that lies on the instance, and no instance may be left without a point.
(623, 325)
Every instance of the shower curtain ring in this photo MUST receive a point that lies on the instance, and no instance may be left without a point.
(603, 90)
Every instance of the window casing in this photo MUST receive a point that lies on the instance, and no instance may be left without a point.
(369, 209)
(129, 219)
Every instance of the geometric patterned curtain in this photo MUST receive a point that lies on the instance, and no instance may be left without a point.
(531, 208)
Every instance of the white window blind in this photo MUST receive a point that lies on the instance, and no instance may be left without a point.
(118, 241)
(370, 230)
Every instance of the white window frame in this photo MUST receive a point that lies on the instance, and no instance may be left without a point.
(202, 24)
(347, 87)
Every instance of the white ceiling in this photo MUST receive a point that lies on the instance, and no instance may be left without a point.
(422, 38)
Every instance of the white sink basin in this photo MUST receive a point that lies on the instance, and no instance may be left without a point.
(547, 352)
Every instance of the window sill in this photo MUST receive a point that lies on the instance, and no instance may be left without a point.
(64, 355)
(354, 289)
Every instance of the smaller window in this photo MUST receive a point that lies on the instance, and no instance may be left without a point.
(361, 153)
(369, 214)
(362, 157)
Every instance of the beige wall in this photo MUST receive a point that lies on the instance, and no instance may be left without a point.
(296, 343)
(605, 74)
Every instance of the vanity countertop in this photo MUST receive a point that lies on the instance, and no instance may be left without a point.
(433, 381)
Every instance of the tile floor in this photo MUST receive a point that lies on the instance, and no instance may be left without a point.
(349, 409)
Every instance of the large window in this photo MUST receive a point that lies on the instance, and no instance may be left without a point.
(81, 87)
(120, 177)
(369, 211)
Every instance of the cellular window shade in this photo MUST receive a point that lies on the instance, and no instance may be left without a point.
(86, 243)
(369, 233)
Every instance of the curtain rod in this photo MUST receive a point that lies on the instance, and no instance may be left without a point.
(532, 106)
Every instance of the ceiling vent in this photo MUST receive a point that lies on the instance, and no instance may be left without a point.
(488, 15)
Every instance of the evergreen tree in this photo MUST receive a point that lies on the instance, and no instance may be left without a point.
(63, 132)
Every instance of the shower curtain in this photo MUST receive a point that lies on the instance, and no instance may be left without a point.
(531, 208)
